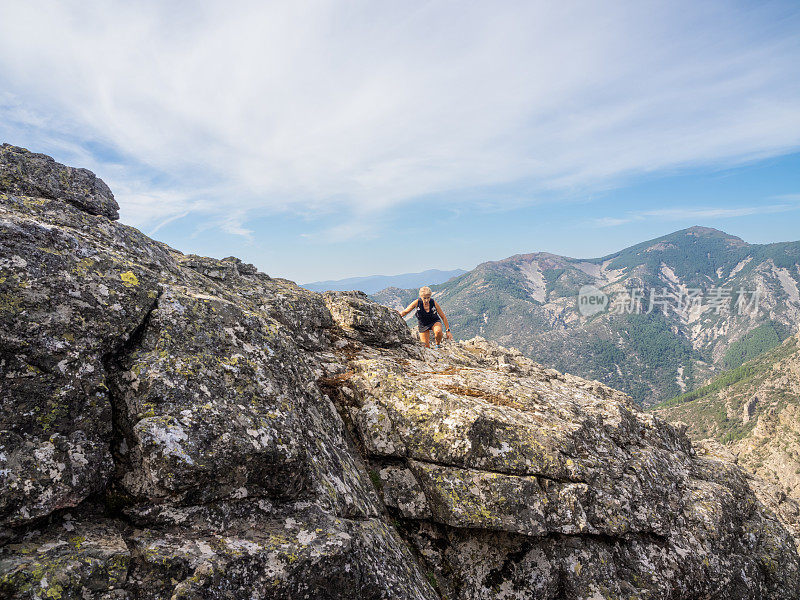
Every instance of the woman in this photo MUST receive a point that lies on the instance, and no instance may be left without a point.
(429, 316)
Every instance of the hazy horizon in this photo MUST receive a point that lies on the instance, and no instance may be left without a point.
(499, 258)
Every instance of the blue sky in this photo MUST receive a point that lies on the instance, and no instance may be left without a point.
(322, 140)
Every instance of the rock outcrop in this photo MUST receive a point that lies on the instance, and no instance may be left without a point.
(182, 427)
(38, 175)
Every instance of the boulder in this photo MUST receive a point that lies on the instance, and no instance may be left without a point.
(72, 292)
(26, 173)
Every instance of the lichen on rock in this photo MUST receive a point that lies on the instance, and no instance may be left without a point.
(176, 426)
(26, 173)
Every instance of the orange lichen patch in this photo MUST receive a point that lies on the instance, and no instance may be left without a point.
(447, 371)
(351, 351)
(331, 386)
(474, 350)
(336, 380)
(474, 393)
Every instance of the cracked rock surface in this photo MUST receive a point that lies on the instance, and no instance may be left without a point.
(177, 426)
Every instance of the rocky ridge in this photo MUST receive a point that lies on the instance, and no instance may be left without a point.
(185, 427)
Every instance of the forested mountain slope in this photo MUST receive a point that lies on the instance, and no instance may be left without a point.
(755, 411)
(680, 308)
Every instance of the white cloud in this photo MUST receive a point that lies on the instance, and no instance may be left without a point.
(717, 213)
(788, 197)
(614, 221)
(693, 214)
(227, 109)
(346, 231)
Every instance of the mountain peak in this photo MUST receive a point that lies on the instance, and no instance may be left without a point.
(708, 232)
(692, 235)
(701, 230)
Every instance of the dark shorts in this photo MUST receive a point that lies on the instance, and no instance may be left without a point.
(429, 326)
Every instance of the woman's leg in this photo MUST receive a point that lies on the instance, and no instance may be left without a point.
(437, 331)
(425, 338)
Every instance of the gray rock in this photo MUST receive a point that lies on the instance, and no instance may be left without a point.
(28, 174)
(749, 409)
(367, 321)
(71, 559)
(566, 475)
(72, 291)
(402, 492)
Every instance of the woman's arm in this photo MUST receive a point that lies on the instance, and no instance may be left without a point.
(440, 312)
(409, 308)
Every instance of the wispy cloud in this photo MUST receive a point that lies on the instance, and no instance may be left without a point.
(359, 229)
(614, 221)
(234, 109)
(692, 214)
(788, 197)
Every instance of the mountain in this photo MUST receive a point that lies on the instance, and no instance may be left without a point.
(754, 411)
(375, 283)
(176, 426)
(716, 301)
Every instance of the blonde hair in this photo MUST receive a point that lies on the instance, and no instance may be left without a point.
(424, 291)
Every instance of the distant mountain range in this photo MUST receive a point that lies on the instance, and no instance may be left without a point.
(375, 283)
(656, 319)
